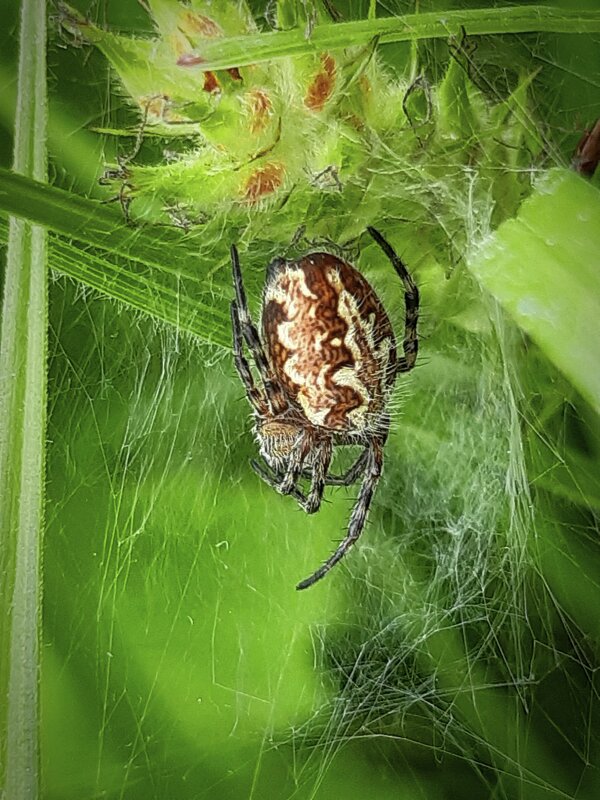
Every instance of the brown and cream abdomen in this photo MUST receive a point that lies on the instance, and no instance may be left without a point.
(329, 341)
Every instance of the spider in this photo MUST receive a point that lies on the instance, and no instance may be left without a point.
(327, 364)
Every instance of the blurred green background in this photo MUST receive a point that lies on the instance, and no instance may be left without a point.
(453, 655)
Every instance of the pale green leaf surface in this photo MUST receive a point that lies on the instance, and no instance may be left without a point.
(544, 268)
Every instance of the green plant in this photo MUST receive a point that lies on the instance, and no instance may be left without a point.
(179, 662)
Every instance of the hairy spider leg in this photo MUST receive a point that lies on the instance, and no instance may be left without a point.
(358, 517)
(302, 447)
(352, 474)
(274, 394)
(316, 475)
(255, 395)
(274, 481)
(319, 476)
(411, 301)
(287, 486)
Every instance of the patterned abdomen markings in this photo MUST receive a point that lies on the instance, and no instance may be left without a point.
(329, 340)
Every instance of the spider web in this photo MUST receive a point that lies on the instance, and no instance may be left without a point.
(448, 655)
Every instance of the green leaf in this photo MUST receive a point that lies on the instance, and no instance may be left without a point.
(544, 268)
(23, 353)
(239, 51)
(86, 220)
(157, 270)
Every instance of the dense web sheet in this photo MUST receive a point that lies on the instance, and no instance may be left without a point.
(451, 654)
(170, 576)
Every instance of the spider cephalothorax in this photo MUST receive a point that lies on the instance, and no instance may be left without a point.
(327, 363)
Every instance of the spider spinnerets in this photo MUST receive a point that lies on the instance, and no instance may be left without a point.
(327, 363)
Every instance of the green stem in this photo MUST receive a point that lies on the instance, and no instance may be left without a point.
(160, 271)
(88, 221)
(22, 433)
(239, 51)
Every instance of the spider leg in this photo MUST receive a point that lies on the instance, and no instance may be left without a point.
(358, 517)
(411, 300)
(255, 396)
(286, 484)
(347, 478)
(250, 335)
(274, 482)
(295, 463)
(319, 477)
(351, 475)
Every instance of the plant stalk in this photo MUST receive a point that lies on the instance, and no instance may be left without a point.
(240, 51)
(23, 351)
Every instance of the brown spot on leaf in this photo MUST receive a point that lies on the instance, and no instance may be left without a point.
(355, 122)
(587, 155)
(198, 23)
(190, 60)
(234, 73)
(154, 106)
(321, 88)
(263, 181)
(260, 110)
(211, 84)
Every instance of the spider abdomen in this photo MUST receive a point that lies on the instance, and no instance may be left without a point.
(329, 341)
